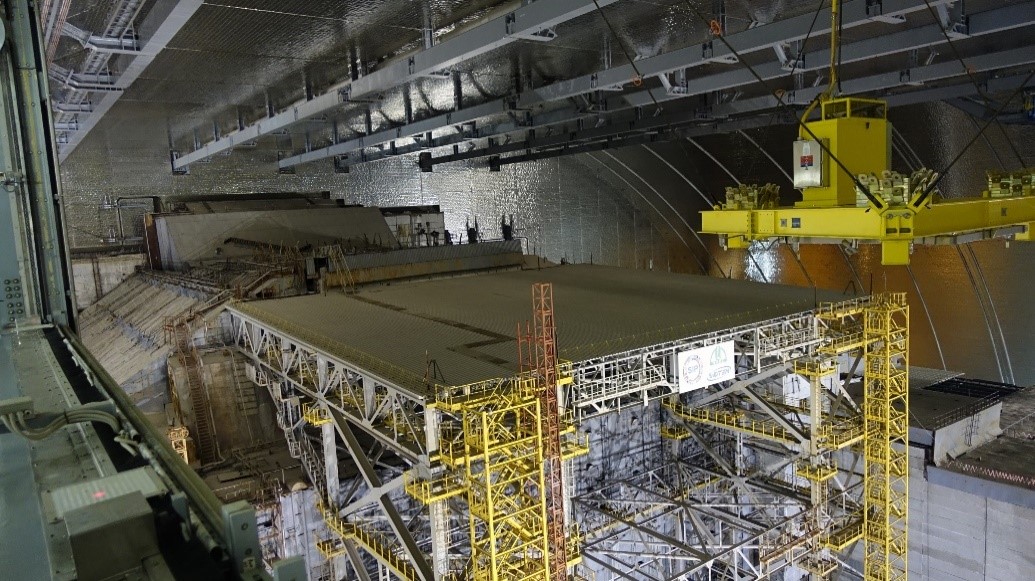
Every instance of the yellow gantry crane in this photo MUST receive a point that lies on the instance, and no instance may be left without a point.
(842, 165)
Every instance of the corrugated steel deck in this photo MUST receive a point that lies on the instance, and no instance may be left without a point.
(467, 324)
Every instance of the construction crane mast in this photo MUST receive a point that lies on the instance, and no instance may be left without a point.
(545, 351)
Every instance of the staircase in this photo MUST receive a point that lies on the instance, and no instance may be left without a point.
(204, 437)
(313, 463)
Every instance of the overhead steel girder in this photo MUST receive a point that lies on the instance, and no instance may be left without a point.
(676, 125)
(985, 23)
(994, 21)
(854, 13)
(751, 40)
(916, 76)
(528, 21)
(167, 17)
(989, 86)
(107, 44)
(417, 128)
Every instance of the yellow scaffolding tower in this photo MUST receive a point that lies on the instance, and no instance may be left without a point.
(503, 450)
(501, 455)
(886, 411)
(877, 329)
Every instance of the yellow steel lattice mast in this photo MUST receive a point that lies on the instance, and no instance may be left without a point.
(886, 410)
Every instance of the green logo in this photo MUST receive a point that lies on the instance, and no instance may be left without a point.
(718, 356)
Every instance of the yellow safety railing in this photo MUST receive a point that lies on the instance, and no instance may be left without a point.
(574, 545)
(331, 548)
(815, 473)
(815, 368)
(675, 432)
(442, 487)
(371, 541)
(845, 343)
(733, 420)
(842, 309)
(843, 433)
(840, 539)
(575, 446)
(316, 414)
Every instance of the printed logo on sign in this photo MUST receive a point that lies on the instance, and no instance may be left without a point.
(692, 369)
(718, 370)
(806, 158)
(718, 355)
(704, 366)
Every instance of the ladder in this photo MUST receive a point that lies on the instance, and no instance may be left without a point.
(313, 464)
(336, 256)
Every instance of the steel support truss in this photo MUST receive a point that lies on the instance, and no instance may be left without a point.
(532, 21)
(825, 472)
(759, 474)
(635, 377)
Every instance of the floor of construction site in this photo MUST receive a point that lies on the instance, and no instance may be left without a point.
(464, 328)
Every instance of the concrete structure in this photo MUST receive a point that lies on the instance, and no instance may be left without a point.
(96, 276)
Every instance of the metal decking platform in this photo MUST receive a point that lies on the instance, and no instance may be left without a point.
(464, 327)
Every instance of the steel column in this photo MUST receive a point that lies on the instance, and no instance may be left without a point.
(395, 520)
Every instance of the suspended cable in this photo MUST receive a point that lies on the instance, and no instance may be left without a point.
(970, 75)
(778, 95)
(628, 55)
(801, 47)
(934, 183)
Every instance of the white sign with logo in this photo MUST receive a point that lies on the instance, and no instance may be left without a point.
(699, 368)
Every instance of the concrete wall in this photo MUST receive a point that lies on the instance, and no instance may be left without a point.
(961, 536)
(96, 276)
(242, 418)
(959, 437)
(125, 332)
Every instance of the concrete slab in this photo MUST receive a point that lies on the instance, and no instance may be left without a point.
(467, 325)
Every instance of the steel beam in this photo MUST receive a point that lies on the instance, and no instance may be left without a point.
(357, 560)
(985, 23)
(854, 13)
(408, 130)
(526, 22)
(748, 41)
(97, 43)
(169, 17)
(964, 89)
(395, 520)
(890, 80)
(990, 22)
(626, 132)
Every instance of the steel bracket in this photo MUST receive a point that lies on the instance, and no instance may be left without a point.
(875, 10)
